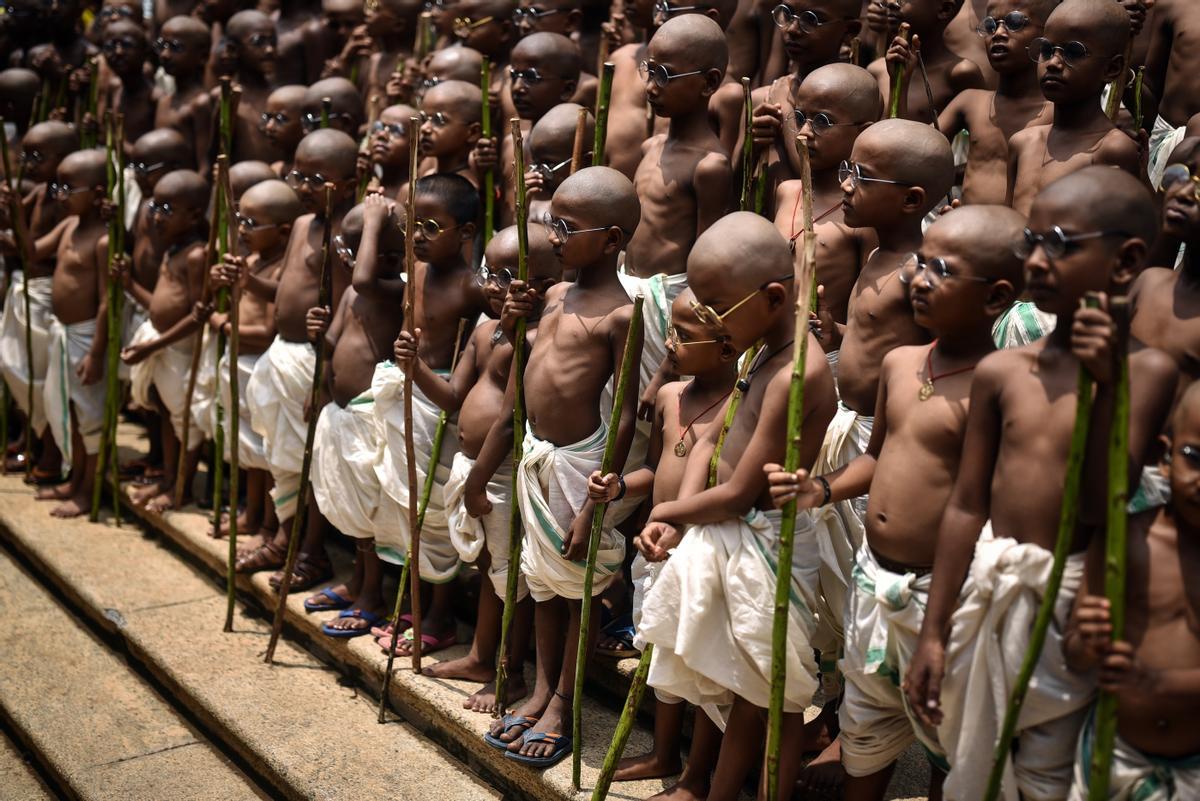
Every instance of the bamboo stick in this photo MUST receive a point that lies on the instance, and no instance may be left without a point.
(1116, 549)
(117, 308)
(856, 51)
(518, 370)
(489, 175)
(1138, 82)
(1116, 89)
(325, 300)
(589, 573)
(422, 45)
(898, 80)
(603, 98)
(1066, 532)
(805, 287)
(87, 139)
(235, 293)
(225, 121)
(747, 145)
(364, 148)
(326, 111)
(18, 223)
(577, 148)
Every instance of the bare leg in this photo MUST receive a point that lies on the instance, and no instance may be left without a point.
(436, 621)
(368, 594)
(270, 521)
(663, 759)
(50, 461)
(791, 750)
(154, 490)
(550, 618)
(694, 782)
(936, 779)
(83, 476)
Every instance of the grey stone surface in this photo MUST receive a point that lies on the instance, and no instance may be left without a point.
(18, 780)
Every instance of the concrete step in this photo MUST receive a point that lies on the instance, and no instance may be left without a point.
(94, 725)
(17, 775)
(296, 726)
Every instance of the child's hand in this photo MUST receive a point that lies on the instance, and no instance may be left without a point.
(1137, 10)
(475, 497)
(1092, 621)
(358, 44)
(534, 183)
(134, 354)
(922, 684)
(798, 486)
(119, 270)
(1093, 340)
(656, 541)
(821, 322)
(405, 349)
(614, 31)
(201, 311)
(878, 13)
(483, 156)
(316, 322)
(767, 123)
(376, 210)
(902, 55)
(603, 488)
(217, 321)
(520, 302)
(575, 544)
(1122, 671)
(228, 272)
(90, 369)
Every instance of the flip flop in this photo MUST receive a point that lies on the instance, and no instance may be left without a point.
(561, 743)
(429, 643)
(510, 722)
(339, 602)
(385, 630)
(620, 629)
(360, 614)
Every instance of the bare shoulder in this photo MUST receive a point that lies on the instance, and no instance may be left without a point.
(878, 68)
(627, 53)
(966, 75)
(668, 395)
(996, 368)
(1150, 280)
(1026, 137)
(1151, 367)
(898, 358)
(713, 165)
(1119, 149)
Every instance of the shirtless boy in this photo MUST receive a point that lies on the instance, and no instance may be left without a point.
(182, 47)
(581, 341)
(963, 277)
(474, 392)
(282, 378)
(1086, 232)
(155, 154)
(346, 107)
(551, 145)
(450, 124)
(1152, 664)
(993, 116)
(251, 43)
(129, 90)
(160, 352)
(1172, 81)
(1081, 52)
(486, 26)
(390, 140)
(714, 653)
(280, 123)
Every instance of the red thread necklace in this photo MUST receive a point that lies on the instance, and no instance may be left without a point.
(681, 447)
(926, 390)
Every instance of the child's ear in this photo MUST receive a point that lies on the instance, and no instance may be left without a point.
(728, 352)
(568, 90)
(914, 198)
(712, 81)
(1164, 446)
(1131, 258)
(1001, 294)
(574, 20)
(1115, 68)
(853, 29)
(467, 231)
(285, 230)
(614, 240)
(474, 131)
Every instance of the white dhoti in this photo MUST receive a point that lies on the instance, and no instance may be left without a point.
(15, 366)
(1021, 324)
(277, 391)
(710, 615)
(988, 639)
(204, 406)
(882, 626)
(132, 318)
(63, 390)
(345, 451)
(1136, 776)
(1164, 138)
(470, 535)
(552, 489)
(439, 561)
(166, 369)
(251, 453)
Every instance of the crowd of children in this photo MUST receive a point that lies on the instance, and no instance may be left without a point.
(993, 183)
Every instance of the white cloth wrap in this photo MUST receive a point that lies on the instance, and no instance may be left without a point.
(710, 615)
(439, 561)
(251, 454)
(346, 449)
(132, 317)
(12, 343)
(276, 393)
(1021, 324)
(69, 344)
(882, 625)
(471, 534)
(552, 489)
(1164, 138)
(1136, 776)
(166, 369)
(204, 406)
(644, 574)
(988, 639)
(840, 529)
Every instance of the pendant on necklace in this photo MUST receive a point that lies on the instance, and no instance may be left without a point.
(926, 390)
(680, 449)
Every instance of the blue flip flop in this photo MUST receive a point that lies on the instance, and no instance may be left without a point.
(362, 614)
(339, 602)
(561, 743)
(510, 722)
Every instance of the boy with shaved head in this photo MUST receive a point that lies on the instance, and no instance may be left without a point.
(961, 279)
(251, 42)
(391, 137)
(1080, 52)
(280, 123)
(581, 341)
(551, 145)
(182, 47)
(714, 651)
(345, 111)
(450, 124)
(1086, 232)
(128, 88)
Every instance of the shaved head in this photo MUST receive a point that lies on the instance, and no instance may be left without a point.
(164, 144)
(1187, 408)
(502, 249)
(554, 52)
(342, 94)
(273, 200)
(1101, 24)
(914, 153)
(292, 95)
(331, 148)
(19, 82)
(557, 127)
(464, 99)
(455, 63)
(185, 187)
(187, 28)
(246, 174)
(1108, 199)
(244, 23)
(692, 42)
(54, 136)
(854, 90)
(601, 196)
(89, 166)
(984, 236)
(739, 252)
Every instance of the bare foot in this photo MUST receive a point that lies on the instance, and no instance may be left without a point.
(244, 525)
(163, 501)
(825, 773)
(433, 638)
(682, 792)
(484, 699)
(647, 766)
(71, 507)
(57, 493)
(514, 731)
(142, 495)
(468, 668)
(556, 718)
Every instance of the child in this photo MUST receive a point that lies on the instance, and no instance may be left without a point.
(714, 651)
(963, 277)
(251, 42)
(282, 377)
(581, 339)
(280, 123)
(324, 37)
(18, 88)
(1080, 53)
(1087, 231)
(265, 214)
(43, 148)
(390, 140)
(451, 64)
(155, 154)
(948, 73)
(346, 106)
(160, 352)
(1171, 78)
(1151, 666)
(993, 117)
(182, 47)
(444, 291)
(474, 392)
(450, 124)
(346, 489)
(551, 145)
(130, 90)
(486, 26)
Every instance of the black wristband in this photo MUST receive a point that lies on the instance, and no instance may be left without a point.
(825, 486)
(621, 494)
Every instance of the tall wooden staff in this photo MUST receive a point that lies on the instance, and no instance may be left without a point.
(1116, 551)
(806, 287)
(489, 175)
(324, 300)
(23, 257)
(225, 120)
(580, 134)
(235, 297)
(518, 370)
(898, 82)
(747, 146)
(1068, 515)
(1117, 88)
(589, 572)
(603, 97)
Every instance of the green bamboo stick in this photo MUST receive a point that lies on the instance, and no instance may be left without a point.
(17, 215)
(589, 572)
(489, 175)
(225, 121)
(518, 370)
(1138, 116)
(304, 491)
(898, 82)
(1116, 546)
(106, 437)
(577, 146)
(326, 111)
(603, 98)
(747, 145)
(1117, 88)
(234, 416)
(787, 528)
(117, 315)
(1066, 532)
